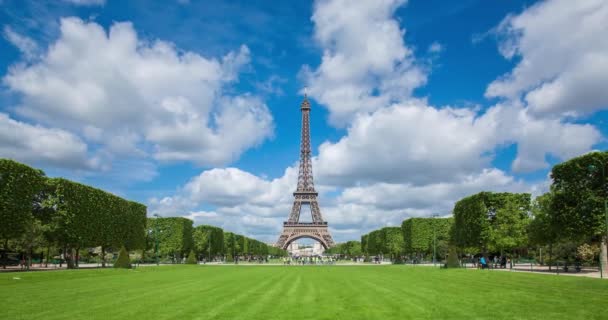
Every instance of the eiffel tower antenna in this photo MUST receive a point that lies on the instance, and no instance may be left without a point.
(306, 194)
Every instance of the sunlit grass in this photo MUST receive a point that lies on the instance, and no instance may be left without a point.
(299, 292)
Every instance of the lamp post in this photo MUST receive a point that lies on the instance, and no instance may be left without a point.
(156, 238)
(434, 215)
(594, 168)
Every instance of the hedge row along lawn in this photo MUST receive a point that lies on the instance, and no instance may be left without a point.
(305, 292)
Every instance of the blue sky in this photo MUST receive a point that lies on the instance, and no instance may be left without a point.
(191, 107)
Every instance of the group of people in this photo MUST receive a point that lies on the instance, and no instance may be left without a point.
(496, 262)
(308, 260)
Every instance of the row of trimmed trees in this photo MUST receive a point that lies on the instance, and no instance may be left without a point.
(67, 219)
(173, 238)
(38, 212)
(567, 223)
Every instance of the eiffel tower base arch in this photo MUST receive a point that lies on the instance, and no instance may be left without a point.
(295, 231)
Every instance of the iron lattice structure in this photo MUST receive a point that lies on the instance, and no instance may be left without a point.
(305, 194)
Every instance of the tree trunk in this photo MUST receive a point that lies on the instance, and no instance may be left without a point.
(28, 262)
(69, 258)
(77, 260)
(46, 262)
(604, 257)
(550, 255)
(103, 256)
(4, 255)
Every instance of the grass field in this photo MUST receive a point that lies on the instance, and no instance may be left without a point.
(290, 292)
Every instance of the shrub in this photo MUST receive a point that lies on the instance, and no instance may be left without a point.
(191, 258)
(452, 261)
(123, 260)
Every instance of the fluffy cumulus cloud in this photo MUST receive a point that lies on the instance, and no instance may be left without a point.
(366, 64)
(413, 142)
(241, 201)
(37, 144)
(133, 95)
(563, 57)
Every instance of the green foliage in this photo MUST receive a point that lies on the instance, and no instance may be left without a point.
(174, 235)
(419, 233)
(452, 261)
(191, 258)
(392, 241)
(388, 240)
(90, 217)
(509, 229)
(478, 219)
(364, 242)
(588, 253)
(541, 230)
(208, 240)
(580, 188)
(19, 184)
(350, 249)
(123, 260)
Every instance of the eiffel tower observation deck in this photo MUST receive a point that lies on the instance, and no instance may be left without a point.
(306, 195)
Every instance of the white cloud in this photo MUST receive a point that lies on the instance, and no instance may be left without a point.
(419, 144)
(26, 45)
(233, 187)
(366, 64)
(435, 47)
(37, 144)
(87, 2)
(244, 202)
(141, 96)
(407, 142)
(563, 57)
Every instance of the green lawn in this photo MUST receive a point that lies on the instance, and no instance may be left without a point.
(307, 292)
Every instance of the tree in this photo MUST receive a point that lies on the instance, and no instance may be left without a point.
(452, 260)
(580, 188)
(420, 235)
(19, 184)
(174, 236)
(191, 258)
(89, 217)
(509, 230)
(123, 260)
(542, 231)
(477, 218)
(392, 241)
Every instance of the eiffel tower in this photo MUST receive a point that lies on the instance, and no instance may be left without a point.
(305, 194)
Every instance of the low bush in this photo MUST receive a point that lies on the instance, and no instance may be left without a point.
(123, 260)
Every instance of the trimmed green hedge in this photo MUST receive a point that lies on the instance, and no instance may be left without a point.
(174, 236)
(19, 184)
(90, 217)
(418, 233)
(475, 217)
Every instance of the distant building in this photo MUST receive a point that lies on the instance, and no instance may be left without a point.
(296, 249)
